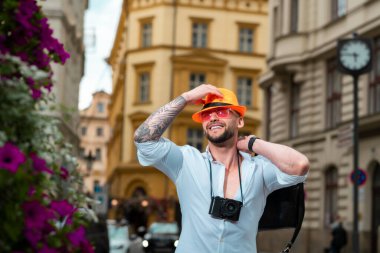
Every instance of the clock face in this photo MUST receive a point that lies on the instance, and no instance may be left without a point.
(354, 55)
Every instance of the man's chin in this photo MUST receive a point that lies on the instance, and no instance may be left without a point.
(219, 139)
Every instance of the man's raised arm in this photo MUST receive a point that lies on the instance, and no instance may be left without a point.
(156, 124)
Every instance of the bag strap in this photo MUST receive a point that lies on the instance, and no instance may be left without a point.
(301, 214)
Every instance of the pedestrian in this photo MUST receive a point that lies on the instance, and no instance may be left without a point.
(222, 191)
(339, 237)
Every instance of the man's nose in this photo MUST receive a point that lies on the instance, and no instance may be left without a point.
(213, 116)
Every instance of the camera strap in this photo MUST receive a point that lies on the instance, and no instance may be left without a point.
(241, 189)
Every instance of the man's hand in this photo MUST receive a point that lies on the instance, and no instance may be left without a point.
(242, 144)
(196, 95)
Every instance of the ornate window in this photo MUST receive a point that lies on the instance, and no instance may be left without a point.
(99, 131)
(246, 40)
(143, 82)
(374, 85)
(294, 16)
(244, 90)
(196, 79)
(338, 8)
(100, 107)
(195, 138)
(331, 195)
(98, 154)
(334, 93)
(146, 29)
(294, 109)
(199, 32)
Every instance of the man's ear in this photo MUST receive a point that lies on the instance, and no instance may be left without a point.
(240, 122)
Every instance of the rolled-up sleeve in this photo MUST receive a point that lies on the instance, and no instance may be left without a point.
(162, 154)
(274, 178)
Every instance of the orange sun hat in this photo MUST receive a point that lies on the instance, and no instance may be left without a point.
(229, 100)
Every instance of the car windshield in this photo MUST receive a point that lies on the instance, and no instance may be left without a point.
(117, 232)
(163, 228)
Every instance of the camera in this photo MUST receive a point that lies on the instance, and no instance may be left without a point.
(228, 209)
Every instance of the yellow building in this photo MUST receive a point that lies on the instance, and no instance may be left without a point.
(163, 48)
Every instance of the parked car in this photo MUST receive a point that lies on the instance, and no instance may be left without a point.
(118, 236)
(161, 237)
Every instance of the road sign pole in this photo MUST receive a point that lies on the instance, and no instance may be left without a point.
(355, 232)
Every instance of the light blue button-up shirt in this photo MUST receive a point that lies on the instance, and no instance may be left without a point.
(189, 170)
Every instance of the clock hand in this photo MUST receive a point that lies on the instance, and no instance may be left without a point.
(355, 56)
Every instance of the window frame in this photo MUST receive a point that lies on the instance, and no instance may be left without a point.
(100, 107)
(294, 16)
(246, 90)
(206, 22)
(374, 81)
(253, 75)
(253, 27)
(295, 101)
(333, 98)
(142, 41)
(338, 11)
(193, 140)
(83, 131)
(331, 195)
(139, 70)
(98, 154)
(195, 83)
(99, 131)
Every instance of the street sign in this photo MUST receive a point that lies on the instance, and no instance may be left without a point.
(361, 177)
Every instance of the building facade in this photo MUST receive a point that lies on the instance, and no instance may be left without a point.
(94, 132)
(66, 18)
(309, 105)
(163, 48)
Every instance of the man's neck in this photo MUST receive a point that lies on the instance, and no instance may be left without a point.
(226, 154)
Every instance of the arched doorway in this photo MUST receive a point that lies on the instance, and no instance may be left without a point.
(375, 209)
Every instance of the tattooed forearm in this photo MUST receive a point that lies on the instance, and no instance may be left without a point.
(156, 124)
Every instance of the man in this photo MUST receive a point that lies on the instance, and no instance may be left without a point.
(226, 170)
(339, 236)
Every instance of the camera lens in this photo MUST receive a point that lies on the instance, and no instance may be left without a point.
(230, 208)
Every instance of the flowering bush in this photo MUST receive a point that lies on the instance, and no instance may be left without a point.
(41, 204)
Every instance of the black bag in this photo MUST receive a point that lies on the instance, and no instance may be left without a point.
(285, 208)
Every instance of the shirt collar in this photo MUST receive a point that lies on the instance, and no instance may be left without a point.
(207, 155)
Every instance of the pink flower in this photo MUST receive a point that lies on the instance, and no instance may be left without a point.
(31, 191)
(39, 164)
(36, 93)
(33, 236)
(35, 214)
(62, 207)
(11, 157)
(77, 236)
(36, 219)
(86, 247)
(46, 249)
(64, 173)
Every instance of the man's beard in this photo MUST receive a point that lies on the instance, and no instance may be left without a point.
(228, 133)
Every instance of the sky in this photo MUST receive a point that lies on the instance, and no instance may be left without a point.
(101, 19)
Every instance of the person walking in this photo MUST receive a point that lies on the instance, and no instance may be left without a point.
(222, 191)
(339, 237)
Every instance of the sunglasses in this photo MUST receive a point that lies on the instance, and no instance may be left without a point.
(220, 112)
